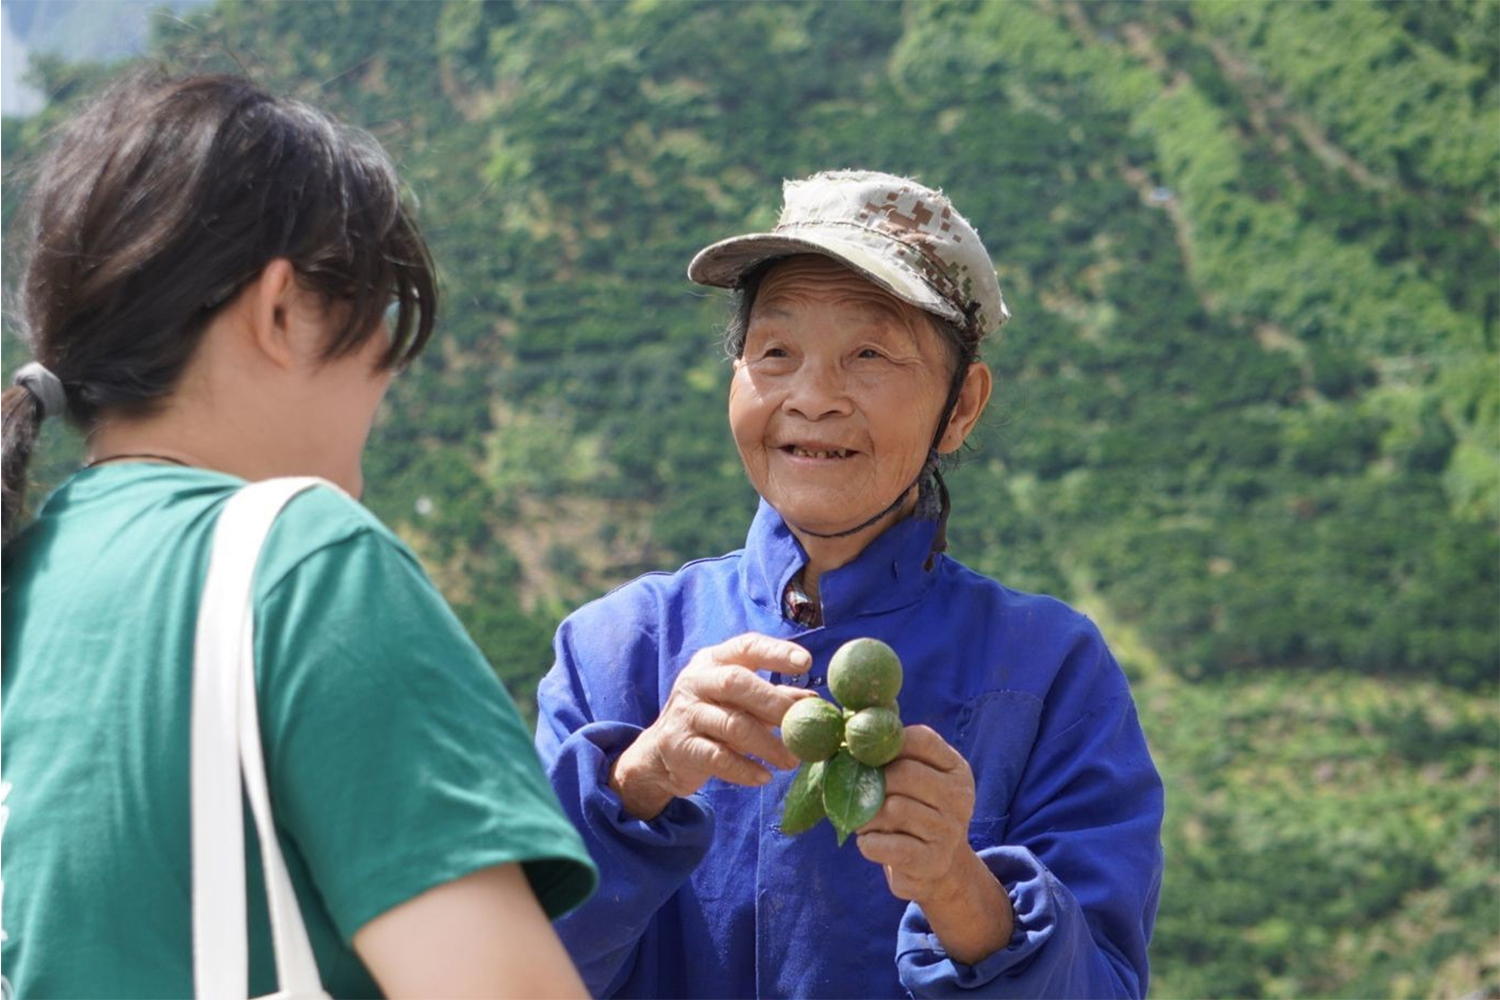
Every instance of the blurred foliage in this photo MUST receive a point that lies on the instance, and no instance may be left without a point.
(1329, 836)
(1248, 410)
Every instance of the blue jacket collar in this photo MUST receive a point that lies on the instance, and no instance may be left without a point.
(888, 574)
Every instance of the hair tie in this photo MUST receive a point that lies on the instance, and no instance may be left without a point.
(45, 387)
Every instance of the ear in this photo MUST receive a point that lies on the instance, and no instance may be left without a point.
(270, 302)
(972, 399)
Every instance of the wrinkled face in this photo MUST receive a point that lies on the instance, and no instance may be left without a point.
(837, 395)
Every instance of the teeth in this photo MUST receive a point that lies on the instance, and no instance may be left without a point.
(812, 453)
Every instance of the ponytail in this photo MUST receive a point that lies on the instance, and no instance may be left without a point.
(37, 395)
(22, 413)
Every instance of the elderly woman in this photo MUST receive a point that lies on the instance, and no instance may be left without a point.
(1017, 852)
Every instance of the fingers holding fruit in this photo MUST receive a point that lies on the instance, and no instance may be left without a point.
(716, 721)
(719, 698)
(933, 774)
(694, 758)
(907, 839)
(904, 790)
(930, 770)
(739, 732)
(920, 835)
(907, 793)
(725, 674)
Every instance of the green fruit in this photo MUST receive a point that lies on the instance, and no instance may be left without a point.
(864, 672)
(875, 735)
(804, 800)
(813, 729)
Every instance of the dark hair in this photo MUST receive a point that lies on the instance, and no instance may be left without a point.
(166, 196)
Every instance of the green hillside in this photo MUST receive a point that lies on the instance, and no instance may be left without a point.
(1247, 413)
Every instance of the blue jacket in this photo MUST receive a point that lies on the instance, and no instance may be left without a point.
(711, 899)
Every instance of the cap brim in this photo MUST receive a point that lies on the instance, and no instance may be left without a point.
(722, 264)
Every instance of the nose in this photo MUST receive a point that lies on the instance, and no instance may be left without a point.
(819, 390)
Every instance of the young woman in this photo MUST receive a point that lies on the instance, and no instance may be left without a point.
(209, 277)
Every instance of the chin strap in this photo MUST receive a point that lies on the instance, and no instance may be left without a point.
(968, 357)
(928, 467)
(940, 540)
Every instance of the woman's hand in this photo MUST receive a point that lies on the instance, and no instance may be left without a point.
(718, 717)
(921, 834)
(921, 838)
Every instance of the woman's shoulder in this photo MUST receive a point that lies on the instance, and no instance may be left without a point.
(325, 520)
(327, 510)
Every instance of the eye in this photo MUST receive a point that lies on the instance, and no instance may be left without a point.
(870, 353)
(766, 349)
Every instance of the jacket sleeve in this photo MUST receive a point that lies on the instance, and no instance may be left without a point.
(1081, 859)
(641, 864)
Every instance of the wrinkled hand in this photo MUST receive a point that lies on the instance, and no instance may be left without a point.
(921, 838)
(921, 834)
(718, 716)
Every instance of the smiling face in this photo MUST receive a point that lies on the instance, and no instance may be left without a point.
(837, 394)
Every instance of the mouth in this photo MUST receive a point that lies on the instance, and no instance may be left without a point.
(806, 451)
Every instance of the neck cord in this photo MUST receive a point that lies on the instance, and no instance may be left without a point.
(928, 466)
(144, 455)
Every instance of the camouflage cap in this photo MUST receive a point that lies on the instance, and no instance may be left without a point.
(905, 237)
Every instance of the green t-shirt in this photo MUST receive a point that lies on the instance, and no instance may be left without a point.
(395, 758)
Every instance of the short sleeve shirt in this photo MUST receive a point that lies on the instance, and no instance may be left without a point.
(396, 760)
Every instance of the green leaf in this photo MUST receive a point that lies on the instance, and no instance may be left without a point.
(852, 793)
(804, 800)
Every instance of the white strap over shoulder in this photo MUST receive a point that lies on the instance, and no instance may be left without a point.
(225, 742)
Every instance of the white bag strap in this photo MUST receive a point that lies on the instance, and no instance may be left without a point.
(226, 739)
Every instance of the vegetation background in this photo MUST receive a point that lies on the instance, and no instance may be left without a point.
(1248, 411)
